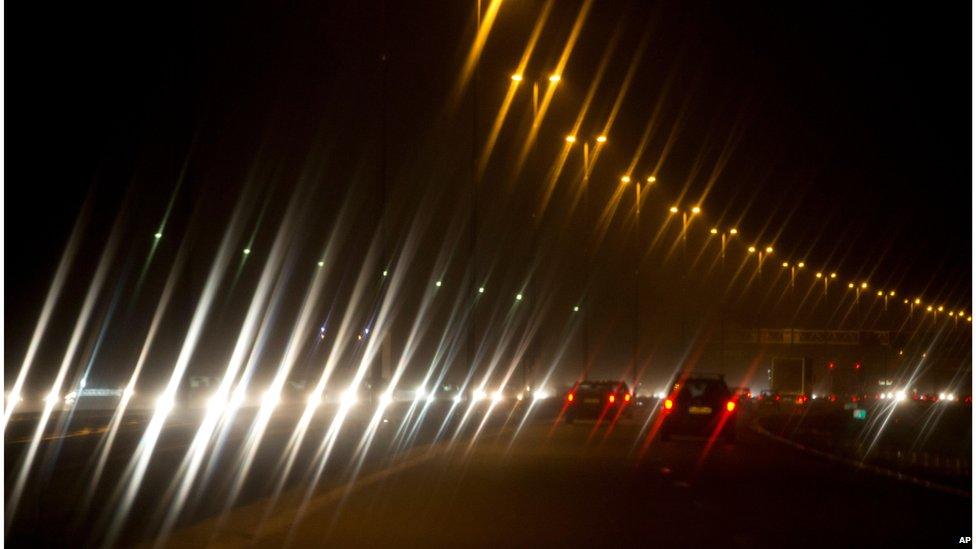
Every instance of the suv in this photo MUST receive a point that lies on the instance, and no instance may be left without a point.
(700, 405)
(598, 399)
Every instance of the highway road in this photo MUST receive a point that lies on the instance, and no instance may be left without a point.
(580, 485)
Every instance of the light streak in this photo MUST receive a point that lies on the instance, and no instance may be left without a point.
(50, 300)
(94, 289)
(131, 480)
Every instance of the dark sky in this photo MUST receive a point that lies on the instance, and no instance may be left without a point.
(846, 130)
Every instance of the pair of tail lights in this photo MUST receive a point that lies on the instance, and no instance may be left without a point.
(611, 399)
(729, 406)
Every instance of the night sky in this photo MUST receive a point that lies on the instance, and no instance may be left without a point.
(840, 133)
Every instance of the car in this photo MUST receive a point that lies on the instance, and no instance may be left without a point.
(598, 399)
(700, 405)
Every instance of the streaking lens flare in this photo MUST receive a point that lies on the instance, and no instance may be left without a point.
(131, 480)
(300, 333)
(500, 118)
(50, 300)
(474, 54)
(272, 271)
(81, 324)
(162, 225)
(550, 90)
(347, 327)
(129, 390)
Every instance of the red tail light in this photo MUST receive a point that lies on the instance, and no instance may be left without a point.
(611, 398)
(668, 404)
(730, 406)
(570, 397)
(627, 397)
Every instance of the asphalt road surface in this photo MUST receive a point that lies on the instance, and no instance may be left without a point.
(577, 485)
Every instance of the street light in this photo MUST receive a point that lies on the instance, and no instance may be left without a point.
(752, 250)
(725, 237)
(553, 79)
(598, 141)
(793, 269)
(625, 180)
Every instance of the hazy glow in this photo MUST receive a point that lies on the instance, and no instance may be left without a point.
(165, 404)
(270, 398)
(348, 398)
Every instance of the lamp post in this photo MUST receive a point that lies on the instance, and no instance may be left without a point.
(637, 270)
(686, 216)
(768, 251)
(826, 279)
(552, 78)
(597, 141)
(724, 237)
(793, 268)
